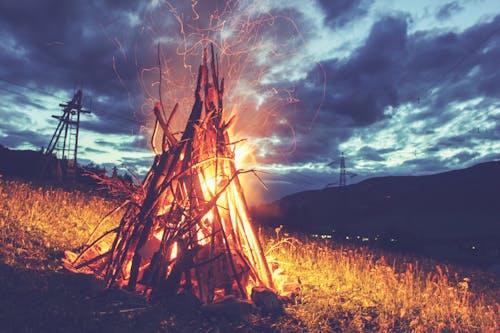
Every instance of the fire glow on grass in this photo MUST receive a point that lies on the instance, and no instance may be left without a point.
(187, 228)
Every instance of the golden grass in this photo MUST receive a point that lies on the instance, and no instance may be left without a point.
(342, 289)
(354, 290)
(35, 220)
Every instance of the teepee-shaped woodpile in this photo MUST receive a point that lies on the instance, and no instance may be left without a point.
(189, 229)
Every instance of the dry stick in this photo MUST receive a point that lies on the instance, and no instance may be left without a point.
(261, 181)
(161, 121)
(260, 251)
(149, 175)
(105, 218)
(146, 214)
(211, 204)
(92, 244)
(119, 236)
(172, 114)
(210, 282)
(230, 256)
(212, 245)
(123, 245)
(197, 106)
(148, 209)
(193, 202)
(153, 137)
(217, 134)
(120, 248)
(161, 102)
(158, 268)
(252, 257)
(142, 234)
(196, 187)
(91, 261)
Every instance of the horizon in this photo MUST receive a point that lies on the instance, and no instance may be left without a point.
(290, 194)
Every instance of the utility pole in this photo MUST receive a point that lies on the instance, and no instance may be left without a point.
(342, 181)
(64, 141)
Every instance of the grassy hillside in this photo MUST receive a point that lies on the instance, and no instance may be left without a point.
(342, 289)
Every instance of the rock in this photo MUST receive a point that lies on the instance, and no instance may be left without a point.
(230, 307)
(289, 291)
(266, 300)
(185, 301)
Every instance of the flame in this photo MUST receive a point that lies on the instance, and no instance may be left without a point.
(175, 250)
(201, 174)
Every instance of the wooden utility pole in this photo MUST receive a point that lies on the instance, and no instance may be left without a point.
(64, 141)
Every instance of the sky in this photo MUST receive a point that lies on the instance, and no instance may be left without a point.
(400, 87)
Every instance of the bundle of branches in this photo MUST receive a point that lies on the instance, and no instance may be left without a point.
(190, 229)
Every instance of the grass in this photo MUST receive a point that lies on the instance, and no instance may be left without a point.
(342, 289)
(357, 290)
(39, 221)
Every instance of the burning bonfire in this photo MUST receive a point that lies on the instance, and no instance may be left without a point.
(187, 228)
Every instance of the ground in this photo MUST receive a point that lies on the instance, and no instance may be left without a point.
(341, 288)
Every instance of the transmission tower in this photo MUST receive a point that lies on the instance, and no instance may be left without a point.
(64, 141)
(342, 175)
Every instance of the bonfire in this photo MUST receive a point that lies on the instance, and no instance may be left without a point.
(187, 228)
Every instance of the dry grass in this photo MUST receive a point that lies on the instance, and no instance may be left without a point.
(342, 290)
(38, 221)
(356, 290)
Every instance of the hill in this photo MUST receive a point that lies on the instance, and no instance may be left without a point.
(30, 165)
(457, 209)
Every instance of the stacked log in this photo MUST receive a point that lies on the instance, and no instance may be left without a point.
(187, 228)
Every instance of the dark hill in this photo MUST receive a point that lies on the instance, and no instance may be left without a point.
(20, 163)
(27, 165)
(461, 206)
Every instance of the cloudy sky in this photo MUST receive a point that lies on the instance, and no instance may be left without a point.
(401, 87)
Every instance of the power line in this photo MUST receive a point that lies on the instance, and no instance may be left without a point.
(31, 88)
(13, 92)
(463, 58)
(53, 95)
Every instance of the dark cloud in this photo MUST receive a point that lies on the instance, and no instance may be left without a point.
(448, 10)
(449, 142)
(133, 143)
(94, 150)
(464, 157)
(56, 46)
(393, 68)
(340, 12)
(23, 138)
(358, 91)
(362, 86)
(421, 166)
(369, 154)
(20, 99)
